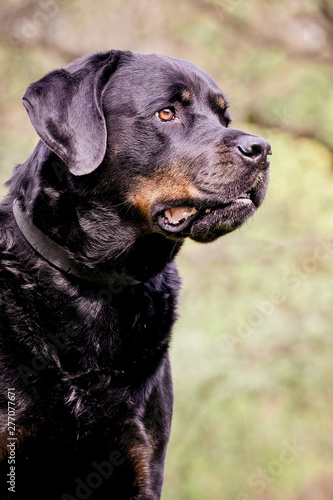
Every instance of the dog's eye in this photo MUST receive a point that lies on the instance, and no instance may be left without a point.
(165, 115)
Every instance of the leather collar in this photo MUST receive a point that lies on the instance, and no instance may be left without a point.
(61, 259)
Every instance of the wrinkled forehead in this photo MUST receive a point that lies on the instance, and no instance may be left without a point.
(159, 80)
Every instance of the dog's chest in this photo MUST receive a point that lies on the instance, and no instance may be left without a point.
(89, 331)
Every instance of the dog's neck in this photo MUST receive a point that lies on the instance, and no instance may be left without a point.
(61, 259)
(146, 259)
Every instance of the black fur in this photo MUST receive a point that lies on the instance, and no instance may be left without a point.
(86, 365)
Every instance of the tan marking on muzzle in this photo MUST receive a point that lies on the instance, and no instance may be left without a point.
(161, 187)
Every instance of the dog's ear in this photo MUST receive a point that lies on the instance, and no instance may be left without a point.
(65, 108)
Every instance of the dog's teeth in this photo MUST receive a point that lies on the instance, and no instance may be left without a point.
(208, 210)
(189, 212)
(175, 215)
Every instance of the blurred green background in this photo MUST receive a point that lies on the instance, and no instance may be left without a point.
(252, 350)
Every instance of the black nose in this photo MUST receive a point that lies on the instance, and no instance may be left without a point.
(255, 149)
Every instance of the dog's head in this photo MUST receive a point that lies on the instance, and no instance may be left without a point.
(150, 134)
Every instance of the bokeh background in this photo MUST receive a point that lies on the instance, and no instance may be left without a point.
(252, 350)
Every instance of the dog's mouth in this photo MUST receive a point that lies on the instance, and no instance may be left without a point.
(206, 218)
(177, 218)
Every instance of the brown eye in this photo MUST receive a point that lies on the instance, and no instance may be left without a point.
(165, 115)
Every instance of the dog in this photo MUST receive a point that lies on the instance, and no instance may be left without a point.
(135, 155)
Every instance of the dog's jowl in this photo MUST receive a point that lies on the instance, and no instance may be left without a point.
(135, 155)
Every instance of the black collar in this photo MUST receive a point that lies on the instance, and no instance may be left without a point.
(61, 259)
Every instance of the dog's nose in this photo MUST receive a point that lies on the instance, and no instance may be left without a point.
(255, 149)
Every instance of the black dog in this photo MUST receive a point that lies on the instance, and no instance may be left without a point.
(135, 155)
